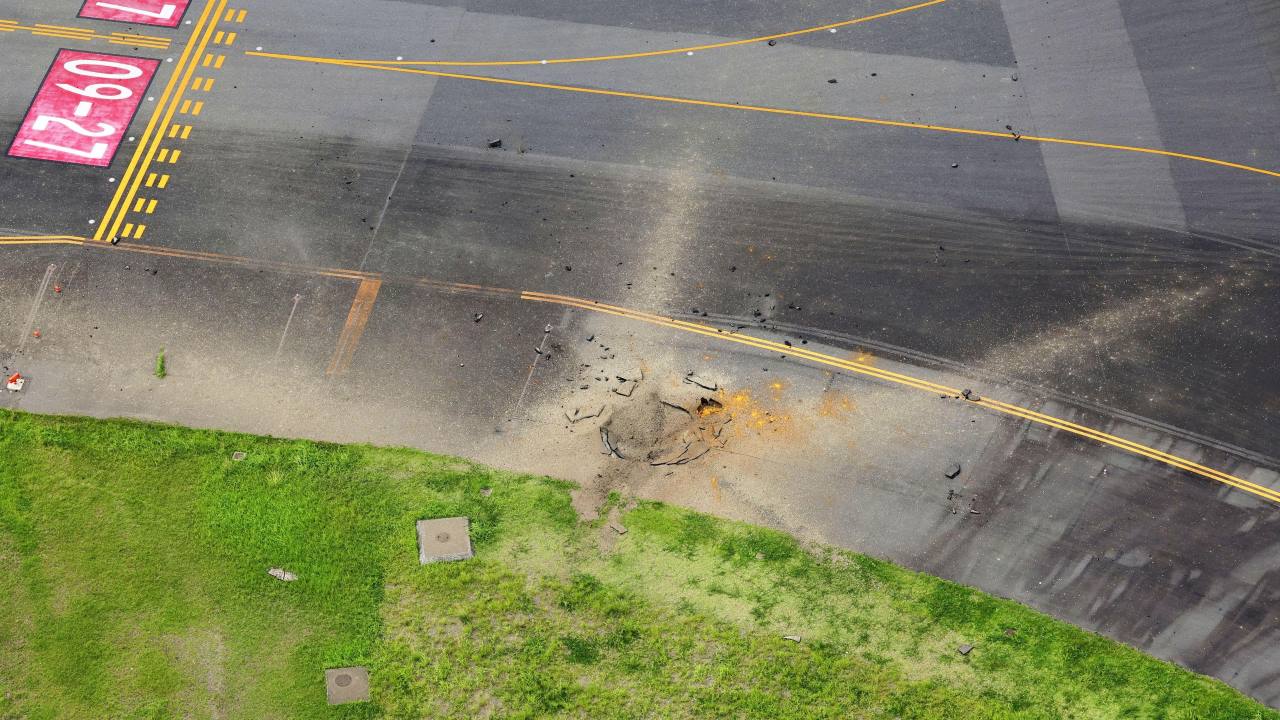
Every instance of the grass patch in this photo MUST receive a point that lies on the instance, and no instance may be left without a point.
(133, 564)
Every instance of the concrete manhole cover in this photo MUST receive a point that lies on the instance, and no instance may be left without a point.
(346, 685)
(444, 539)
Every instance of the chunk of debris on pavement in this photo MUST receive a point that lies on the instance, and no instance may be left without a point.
(636, 374)
(610, 448)
(477, 317)
(965, 649)
(15, 382)
(832, 81)
(627, 387)
(955, 165)
(970, 395)
(792, 638)
(495, 143)
(547, 329)
(953, 471)
(282, 574)
(705, 384)
(580, 413)
(591, 338)
(772, 43)
(674, 406)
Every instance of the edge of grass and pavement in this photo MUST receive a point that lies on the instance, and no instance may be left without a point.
(133, 562)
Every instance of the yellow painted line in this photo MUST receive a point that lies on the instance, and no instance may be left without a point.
(657, 53)
(199, 106)
(65, 32)
(164, 180)
(217, 39)
(41, 240)
(173, 158)
(231, 38)
(137, 233)
(240, 17)
(151, 206)
(1115, 441)
(217, 63)
(207, 60)
(357, 319)
(776, 111)
(163, 154)
(230, 13)
(186, 107)
(141, 159)
(139, 43)
(137, 207)
(66, 29)
(186, 132)
(128, 230)
(62, 36)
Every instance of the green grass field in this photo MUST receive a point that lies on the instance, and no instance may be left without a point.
(133, 564)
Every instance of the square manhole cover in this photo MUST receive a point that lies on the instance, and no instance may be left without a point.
(346, 685)
(443, 539)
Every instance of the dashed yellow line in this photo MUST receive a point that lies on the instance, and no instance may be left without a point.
(1115, 441)
(657, 53)
(1006, 136)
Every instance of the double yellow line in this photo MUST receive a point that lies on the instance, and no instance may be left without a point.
(65, 32)
(370, 282)
(161, 117)
(1115, 441)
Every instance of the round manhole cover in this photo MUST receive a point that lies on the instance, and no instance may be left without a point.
(342, 680)
(442, 537)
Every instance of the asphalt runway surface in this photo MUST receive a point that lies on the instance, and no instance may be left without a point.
(1068, 208)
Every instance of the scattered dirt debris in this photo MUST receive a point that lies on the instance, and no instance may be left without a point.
(953, 471)
(495, 143)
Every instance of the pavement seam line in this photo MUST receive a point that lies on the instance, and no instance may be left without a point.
(775, 111)
(998, 406)
(155, 129)
(657, 53)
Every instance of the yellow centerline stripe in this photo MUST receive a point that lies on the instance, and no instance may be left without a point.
(771, 110)
(186, 69)
(657, 53)
(41, 240)
(1006, 408)
(132, 174)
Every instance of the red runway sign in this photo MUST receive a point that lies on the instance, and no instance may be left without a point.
(143, 12)
(83, 108)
